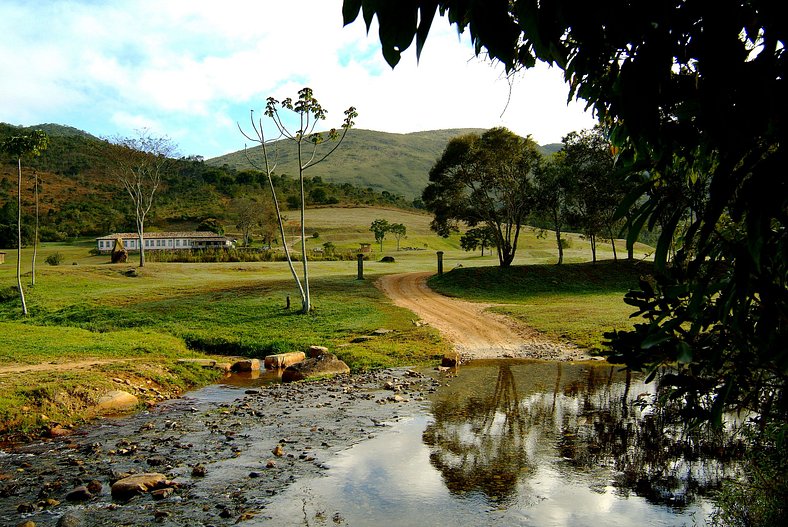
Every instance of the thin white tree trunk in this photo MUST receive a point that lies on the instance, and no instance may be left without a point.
(35, 237)
(19, 238)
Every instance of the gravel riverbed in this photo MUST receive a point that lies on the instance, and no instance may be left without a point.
(225, 452)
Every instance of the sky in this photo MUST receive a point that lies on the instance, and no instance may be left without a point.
(191, 70)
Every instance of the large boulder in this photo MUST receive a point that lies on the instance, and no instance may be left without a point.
(283, 360)
(116, 401)
(326, 364)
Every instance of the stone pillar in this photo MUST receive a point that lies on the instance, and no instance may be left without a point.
(440, 263)
(360, 258)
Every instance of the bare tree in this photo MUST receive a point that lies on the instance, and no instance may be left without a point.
(308, 113)
(139, 164)
(18, 147)
(250, 215)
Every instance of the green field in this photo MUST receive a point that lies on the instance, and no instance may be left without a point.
(88, 308)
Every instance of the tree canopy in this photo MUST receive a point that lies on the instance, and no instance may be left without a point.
(692, 94)
(484, 180)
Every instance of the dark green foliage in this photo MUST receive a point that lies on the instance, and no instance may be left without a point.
(211, 225)
(484, 180)
(477, 238)
(692, 93)
(55, 258)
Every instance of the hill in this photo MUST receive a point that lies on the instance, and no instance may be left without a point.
(382, 161)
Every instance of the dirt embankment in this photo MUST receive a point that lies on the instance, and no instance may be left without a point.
(475, 332)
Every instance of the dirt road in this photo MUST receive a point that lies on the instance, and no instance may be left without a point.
(475, 332)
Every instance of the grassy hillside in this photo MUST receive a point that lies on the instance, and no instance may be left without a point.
(396, 163)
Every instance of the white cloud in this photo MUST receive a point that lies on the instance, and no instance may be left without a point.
(179, 63)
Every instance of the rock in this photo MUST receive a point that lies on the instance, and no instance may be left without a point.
(223, 366)
(156, 461)
(198, 471)
(161, 494)
(387, 259)
(246, 365)
(59, 431)
(316, 351)
(95, 487)
(283, 360)
(324, 365)
(80, 493)
(380, 332)
(70, 519)
(115, 401)
(450, 360)
(270, 463)
(362, 338)
(25, 508)
(205, 363)
(129, 487)
(26, 523)
(278, 451)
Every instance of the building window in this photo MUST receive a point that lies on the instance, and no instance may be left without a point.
(169, 243)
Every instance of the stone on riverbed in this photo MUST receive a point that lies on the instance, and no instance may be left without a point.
(326, 364)
(115, 401)
(127, 488)
(247, 365)
(316, 351)
(283, 360)
(205, 363)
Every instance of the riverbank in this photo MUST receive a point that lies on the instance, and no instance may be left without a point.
(225, 452)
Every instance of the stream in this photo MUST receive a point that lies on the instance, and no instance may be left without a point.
(499, 442)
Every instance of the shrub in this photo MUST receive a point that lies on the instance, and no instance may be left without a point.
(54, 259)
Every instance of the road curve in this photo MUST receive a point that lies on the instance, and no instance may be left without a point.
(475, 332)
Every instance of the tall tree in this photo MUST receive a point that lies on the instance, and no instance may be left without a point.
(477, 237)
(308, 113)
(19, 147)
(139, 163)
(250, 215)
(484, 180)
(379, 228)
(399, 231)
(588, 157)
(554, 187)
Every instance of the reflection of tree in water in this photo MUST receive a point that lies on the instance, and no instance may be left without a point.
(479, 446)
(481, 442)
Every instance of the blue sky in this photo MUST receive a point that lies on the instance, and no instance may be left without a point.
(192, 69)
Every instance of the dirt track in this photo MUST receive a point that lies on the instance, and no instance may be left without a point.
(475, 332)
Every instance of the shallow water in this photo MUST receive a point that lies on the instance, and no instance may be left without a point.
(514, 443)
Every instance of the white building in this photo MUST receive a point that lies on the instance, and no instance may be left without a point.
(156, 241)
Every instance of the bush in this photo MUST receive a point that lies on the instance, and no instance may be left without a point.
(54, 259)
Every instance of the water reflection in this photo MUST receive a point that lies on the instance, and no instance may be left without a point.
(496, 424)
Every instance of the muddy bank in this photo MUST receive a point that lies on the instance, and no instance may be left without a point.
(226, 452)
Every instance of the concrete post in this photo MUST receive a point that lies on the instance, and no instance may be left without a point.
(440, 263)
(360, 258)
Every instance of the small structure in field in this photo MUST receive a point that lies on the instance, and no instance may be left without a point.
(157, 241)
(2, 257)
(365, 248)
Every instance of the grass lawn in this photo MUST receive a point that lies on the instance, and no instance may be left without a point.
(87, 308)
(575, 302)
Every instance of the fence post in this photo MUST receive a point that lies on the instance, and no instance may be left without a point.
(440, 263)
(360, 258)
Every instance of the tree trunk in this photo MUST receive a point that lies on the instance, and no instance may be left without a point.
(613, 243)
(141, 236)
(592, 238)
(19, 238)
(307, 301)
(35, 237)
(560, 247)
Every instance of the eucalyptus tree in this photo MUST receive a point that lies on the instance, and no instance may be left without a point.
(379, 228)
(18, 147)
(554, 187)
(308, 114)
(399, 230)
(139, 164)
(484, 180)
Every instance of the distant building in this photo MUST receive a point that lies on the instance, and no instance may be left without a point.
(2, 257)
(156, 241)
